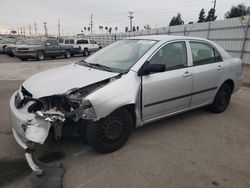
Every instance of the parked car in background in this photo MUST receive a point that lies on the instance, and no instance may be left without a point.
(82, 46)
(41, 48)
(125, 85)
(9, 49)
(5, 42)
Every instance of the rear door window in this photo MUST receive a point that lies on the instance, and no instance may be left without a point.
(203, 53)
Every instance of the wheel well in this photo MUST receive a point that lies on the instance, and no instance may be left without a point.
(131, 109)
(40, 51)
(231, 83)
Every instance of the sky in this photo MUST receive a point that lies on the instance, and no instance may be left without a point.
(74, 15)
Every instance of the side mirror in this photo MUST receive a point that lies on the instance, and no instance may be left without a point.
(151, 68)
(47, 44)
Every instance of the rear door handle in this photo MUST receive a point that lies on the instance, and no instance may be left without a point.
(219, 67)
(187, 74)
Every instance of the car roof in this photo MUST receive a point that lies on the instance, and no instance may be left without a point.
(166, 38)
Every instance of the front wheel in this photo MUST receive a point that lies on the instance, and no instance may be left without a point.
(221, 99)
(111, 133)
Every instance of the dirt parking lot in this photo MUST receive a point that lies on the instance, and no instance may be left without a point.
(194, 149)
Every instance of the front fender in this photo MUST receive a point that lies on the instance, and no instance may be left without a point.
(120, 92)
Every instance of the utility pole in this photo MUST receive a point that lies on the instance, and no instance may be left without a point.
(35, 28)
(30, 30)
(59, 28)
(24, 30)
(91, 24)
(45, 28)
(130, 18)
(214, 3)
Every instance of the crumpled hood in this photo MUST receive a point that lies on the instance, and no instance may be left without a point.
(62, 79)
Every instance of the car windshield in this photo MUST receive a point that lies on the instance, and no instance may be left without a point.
(34, 42)
(121, 55)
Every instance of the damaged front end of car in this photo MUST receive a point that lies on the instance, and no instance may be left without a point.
(32, 119)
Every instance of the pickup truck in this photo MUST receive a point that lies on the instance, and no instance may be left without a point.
(41, 48)
(82, 46)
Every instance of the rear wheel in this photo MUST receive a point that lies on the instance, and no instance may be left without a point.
(40, 55)
(221, 99)
(111, 133)
(67, 54)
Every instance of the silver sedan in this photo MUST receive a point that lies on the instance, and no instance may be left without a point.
(125, 85)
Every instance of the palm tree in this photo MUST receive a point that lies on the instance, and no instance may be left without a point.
(106, 28)
(110, 30)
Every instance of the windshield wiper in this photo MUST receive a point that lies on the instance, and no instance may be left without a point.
(96, 65)
(101, 66)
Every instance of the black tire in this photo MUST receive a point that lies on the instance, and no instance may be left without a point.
(67, 54)
(40, 55)
(222, 99)
(23, 59)
(53, 57)
(111, 133)
(85, 52)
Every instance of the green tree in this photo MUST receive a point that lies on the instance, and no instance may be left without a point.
(237, 11)
(176, 20)
(202, 16)
(211, 15)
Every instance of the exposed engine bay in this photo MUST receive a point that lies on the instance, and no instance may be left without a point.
(56, 109)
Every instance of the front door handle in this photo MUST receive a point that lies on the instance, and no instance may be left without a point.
(187, 74)
(219, 67)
